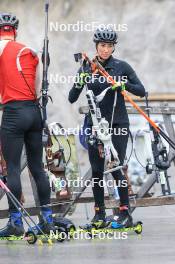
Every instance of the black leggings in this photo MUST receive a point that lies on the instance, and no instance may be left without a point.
(22, 124)
(97, 164)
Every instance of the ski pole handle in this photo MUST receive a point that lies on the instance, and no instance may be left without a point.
(3, 186)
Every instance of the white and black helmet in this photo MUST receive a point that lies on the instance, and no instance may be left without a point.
(105, 35)
(8, 19)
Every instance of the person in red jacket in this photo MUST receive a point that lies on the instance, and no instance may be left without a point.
(21, 122)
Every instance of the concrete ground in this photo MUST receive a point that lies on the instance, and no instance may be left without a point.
(154, 246)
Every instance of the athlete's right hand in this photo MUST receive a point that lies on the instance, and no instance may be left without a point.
(82, 78)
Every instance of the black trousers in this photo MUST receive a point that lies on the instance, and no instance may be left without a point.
(22, 124)
(120, 140)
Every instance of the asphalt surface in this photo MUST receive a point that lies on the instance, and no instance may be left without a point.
(155, 245)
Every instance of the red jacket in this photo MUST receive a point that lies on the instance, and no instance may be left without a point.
(12, 84)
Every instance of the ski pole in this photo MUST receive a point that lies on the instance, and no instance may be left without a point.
(9, 194)
(19, 207)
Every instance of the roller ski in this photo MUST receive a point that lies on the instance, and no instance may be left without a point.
(98, 221)
(14, 230)
(121, 223)
(124, 222)
(46, 225)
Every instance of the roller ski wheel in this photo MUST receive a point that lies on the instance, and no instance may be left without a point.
(30, 237)
(71, 230)
(62, 234)
(138, 228)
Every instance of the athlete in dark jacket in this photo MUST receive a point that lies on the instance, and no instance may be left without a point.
(105, 40)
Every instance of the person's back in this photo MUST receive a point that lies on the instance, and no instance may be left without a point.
(13, 86)
(21, 123)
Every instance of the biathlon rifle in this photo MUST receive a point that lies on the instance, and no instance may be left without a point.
(159, 150)
(45, 83)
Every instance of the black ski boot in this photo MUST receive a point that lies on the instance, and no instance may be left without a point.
(14, 226)
(124, 219)
(99, 219)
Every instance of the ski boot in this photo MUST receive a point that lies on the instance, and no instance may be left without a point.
(124, 219)
(14, 226)
(46, 224)
(98, 221)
